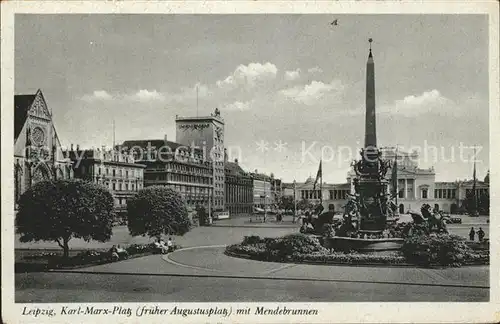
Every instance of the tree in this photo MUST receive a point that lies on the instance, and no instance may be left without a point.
(157, 210)
(64, 209)
(304, 204)
(481, 203)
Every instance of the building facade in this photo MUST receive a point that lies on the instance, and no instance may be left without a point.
(176, 166)
(329, 194)
(238, 189)
(206, 133)
(416, 186)
(113, 169)
(38, 154)
(262, 191)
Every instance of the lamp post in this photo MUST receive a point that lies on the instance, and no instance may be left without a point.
(294, 201)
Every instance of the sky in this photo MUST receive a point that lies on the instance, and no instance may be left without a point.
(291, 88)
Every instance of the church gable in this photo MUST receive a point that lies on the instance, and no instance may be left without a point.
(39, 107)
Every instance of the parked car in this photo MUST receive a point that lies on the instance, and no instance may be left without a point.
(454, 220)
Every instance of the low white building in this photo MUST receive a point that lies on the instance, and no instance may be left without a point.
(416, 187)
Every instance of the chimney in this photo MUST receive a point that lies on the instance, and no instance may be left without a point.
(77, 147)
(165, 139)
(72, 148)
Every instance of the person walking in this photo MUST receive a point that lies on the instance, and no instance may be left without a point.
(170, 245)
(472, 234)
(480, 234)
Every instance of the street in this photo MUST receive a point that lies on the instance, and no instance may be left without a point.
(200, 271)
(75, 287)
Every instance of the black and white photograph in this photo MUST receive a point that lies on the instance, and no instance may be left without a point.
(252, 163)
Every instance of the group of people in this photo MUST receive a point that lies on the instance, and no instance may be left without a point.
(118, 253)
(480, 234)
(163, 247)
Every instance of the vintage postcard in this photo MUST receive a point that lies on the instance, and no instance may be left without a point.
(250, 162)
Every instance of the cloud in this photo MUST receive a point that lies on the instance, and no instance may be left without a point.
(292, 75)
(315, 69)
(146, 95)
(428, 102)
(97, 95)
(312, 93)
(249, 75)
(237, 106)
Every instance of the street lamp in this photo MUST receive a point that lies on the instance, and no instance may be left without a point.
(294, 200)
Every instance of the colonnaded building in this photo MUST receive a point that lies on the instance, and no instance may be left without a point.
(416, 186)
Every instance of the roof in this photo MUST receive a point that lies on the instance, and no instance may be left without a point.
(309, 180)
(22, 104)
(234, 168)
(157, 143)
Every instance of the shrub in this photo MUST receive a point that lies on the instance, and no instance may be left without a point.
(252, 239)
(295, 243)
(41, 256)
(140, 248)
(442, 249)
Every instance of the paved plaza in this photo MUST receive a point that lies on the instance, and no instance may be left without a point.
(200, 271)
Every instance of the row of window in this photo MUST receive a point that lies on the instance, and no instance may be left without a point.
(479, 192)
(338, 194)
(445, 193)
(177, 178)
(137, 173)
(332, 194)
(187, 168)
(120, 201)
(122, 186)
(218, 202)
(183, 189)
(235, 194)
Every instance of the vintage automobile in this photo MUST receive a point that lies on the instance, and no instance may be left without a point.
(454, 220)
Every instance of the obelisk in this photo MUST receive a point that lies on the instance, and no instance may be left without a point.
(370, 121)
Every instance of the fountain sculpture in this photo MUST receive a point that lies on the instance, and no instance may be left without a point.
(366, 213)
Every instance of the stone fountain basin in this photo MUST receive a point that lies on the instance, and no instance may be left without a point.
(347, 244)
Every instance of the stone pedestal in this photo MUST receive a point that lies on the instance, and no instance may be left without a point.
(373, 200)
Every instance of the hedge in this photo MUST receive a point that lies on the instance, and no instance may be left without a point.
(422, 250)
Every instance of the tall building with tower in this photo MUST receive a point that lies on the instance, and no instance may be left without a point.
(206, 133)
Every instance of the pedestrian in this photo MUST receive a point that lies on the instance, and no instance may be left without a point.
(170, 245)
(114, 253)
(307, 217)
(480, 234)
(472, 234)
